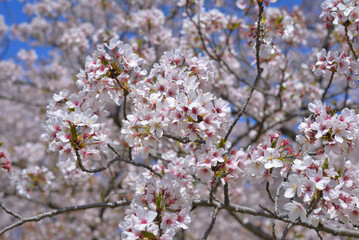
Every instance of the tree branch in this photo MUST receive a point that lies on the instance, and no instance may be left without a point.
(135, 163)
(183, 140)
(348, 40)
(211, 225)
(328, 86)
(254, 212)
(259, 69)
(64, 210)
(256, 230)
(9, 211)
(96, 170)
(286, 231)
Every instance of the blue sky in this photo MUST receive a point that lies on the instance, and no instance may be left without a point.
(12, 12)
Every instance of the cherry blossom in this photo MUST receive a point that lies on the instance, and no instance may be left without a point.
(179, 119)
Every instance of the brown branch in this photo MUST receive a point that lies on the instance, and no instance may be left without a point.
(348, 40)
(135, 163)
(328, 86)
(64, 210)
(286, 231)
(9, 211)
(226, 195)
(254, 212)
(211, 225)
(256, 230)
(183, 140)
(259, 69)
(81, 166)
(273, 232)
(269, 193)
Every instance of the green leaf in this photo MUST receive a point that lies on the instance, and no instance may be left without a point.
(326, 164)
(222, 143)
(148, 235)
(158, 202)
(73, 131)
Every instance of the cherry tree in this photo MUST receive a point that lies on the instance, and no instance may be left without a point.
(186, 119)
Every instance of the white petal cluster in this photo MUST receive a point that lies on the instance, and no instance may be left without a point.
(161, 205)
(336, 62)
(175, 100)
(340, 11)
(74, 124)
(336, 132)
(35, 177)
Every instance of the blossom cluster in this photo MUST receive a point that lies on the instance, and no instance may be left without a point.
(5, 163)
(259, 162)
(160, 205)
(150, 24)
(336, 62)
(326, 181)
(35, 177)
(341, 12)
(174, 108)
(330, 131)
(111, 74)
(76, 38)
(174, 100)
(212, 22)
(74, 126)
(327, 192)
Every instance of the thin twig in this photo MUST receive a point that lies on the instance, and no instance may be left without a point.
(259, 69)
(135, 163)
(256, 230)
(328, 86)
(267, 210)
(21, 101)
(277, 197)
(269, 214)
(273, 232)
(269, 193)
(213, 190)
(96, 170)
(9, 211)
(348, 40)
(64, 210)
(320, 237)
(286, 231)
(211, 225)
(226, 195)
(183, 140)
(346, 95)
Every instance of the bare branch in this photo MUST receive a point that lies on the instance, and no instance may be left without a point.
(211, 225)
(269, 193)
(226, 196)
(135, 163)
(256, 230)
(286, 230)
(273, 232)
(81, 166)
(328, 86)
(9, 211)
(254, 212)
(64, 210)
(348, 40)
(259, 69)
(183, 140)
